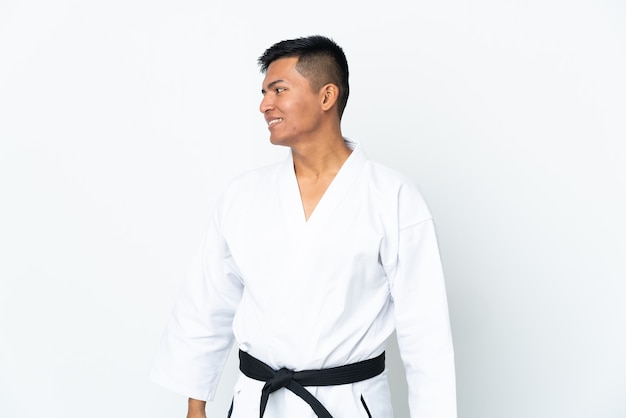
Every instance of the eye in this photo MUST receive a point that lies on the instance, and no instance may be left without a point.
(279, 90)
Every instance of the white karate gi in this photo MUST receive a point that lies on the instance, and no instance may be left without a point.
(315, 294)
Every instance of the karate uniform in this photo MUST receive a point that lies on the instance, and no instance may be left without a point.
(315, 294)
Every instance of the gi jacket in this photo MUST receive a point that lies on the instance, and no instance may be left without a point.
(315, 294)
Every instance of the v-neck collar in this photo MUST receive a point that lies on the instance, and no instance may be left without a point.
(291, 200)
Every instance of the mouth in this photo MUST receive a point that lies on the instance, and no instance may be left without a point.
(273, 122)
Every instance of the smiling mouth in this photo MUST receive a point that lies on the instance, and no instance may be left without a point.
(274, 122)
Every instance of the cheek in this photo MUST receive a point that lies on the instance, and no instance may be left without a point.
(301, 114)
(306, 112)
(305, 122)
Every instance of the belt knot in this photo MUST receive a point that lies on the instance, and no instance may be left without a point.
(296, 381)
(281, 379)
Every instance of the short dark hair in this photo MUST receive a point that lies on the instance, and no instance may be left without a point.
(320, 60)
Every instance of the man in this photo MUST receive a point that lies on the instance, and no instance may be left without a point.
(310, 264)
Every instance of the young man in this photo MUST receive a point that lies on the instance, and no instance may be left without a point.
(310, 265)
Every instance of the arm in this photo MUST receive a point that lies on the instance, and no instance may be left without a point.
(196, 408)
(422, 323)
(198, 337)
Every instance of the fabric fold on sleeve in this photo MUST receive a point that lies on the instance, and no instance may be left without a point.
(198, 337)
(423, 324)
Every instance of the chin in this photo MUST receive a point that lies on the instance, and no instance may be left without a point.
(279, 141)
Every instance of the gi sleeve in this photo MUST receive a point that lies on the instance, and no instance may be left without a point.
(198, 337)
(422, 322)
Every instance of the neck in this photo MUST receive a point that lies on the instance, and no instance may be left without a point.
(321, 158)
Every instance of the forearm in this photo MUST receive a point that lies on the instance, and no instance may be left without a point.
(423, 324)
(196, 409)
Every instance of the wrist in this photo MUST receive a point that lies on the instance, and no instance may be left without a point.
(196, 408)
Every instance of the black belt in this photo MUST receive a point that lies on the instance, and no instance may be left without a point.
(295, 381)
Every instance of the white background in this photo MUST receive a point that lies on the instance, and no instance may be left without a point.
(121, 121)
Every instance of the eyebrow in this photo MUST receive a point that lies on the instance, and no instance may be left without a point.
(272, 84)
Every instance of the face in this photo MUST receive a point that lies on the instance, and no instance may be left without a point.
(291, 108)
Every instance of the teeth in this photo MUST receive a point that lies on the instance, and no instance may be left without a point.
(273, 121)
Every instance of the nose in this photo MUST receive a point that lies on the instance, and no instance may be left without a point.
(266, 104)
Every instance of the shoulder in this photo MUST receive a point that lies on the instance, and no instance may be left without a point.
(254, 178)
(394, 186)
(386, 175)
(378, 175)
(241, 190)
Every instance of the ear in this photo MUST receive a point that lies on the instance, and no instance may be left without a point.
(329, 94)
